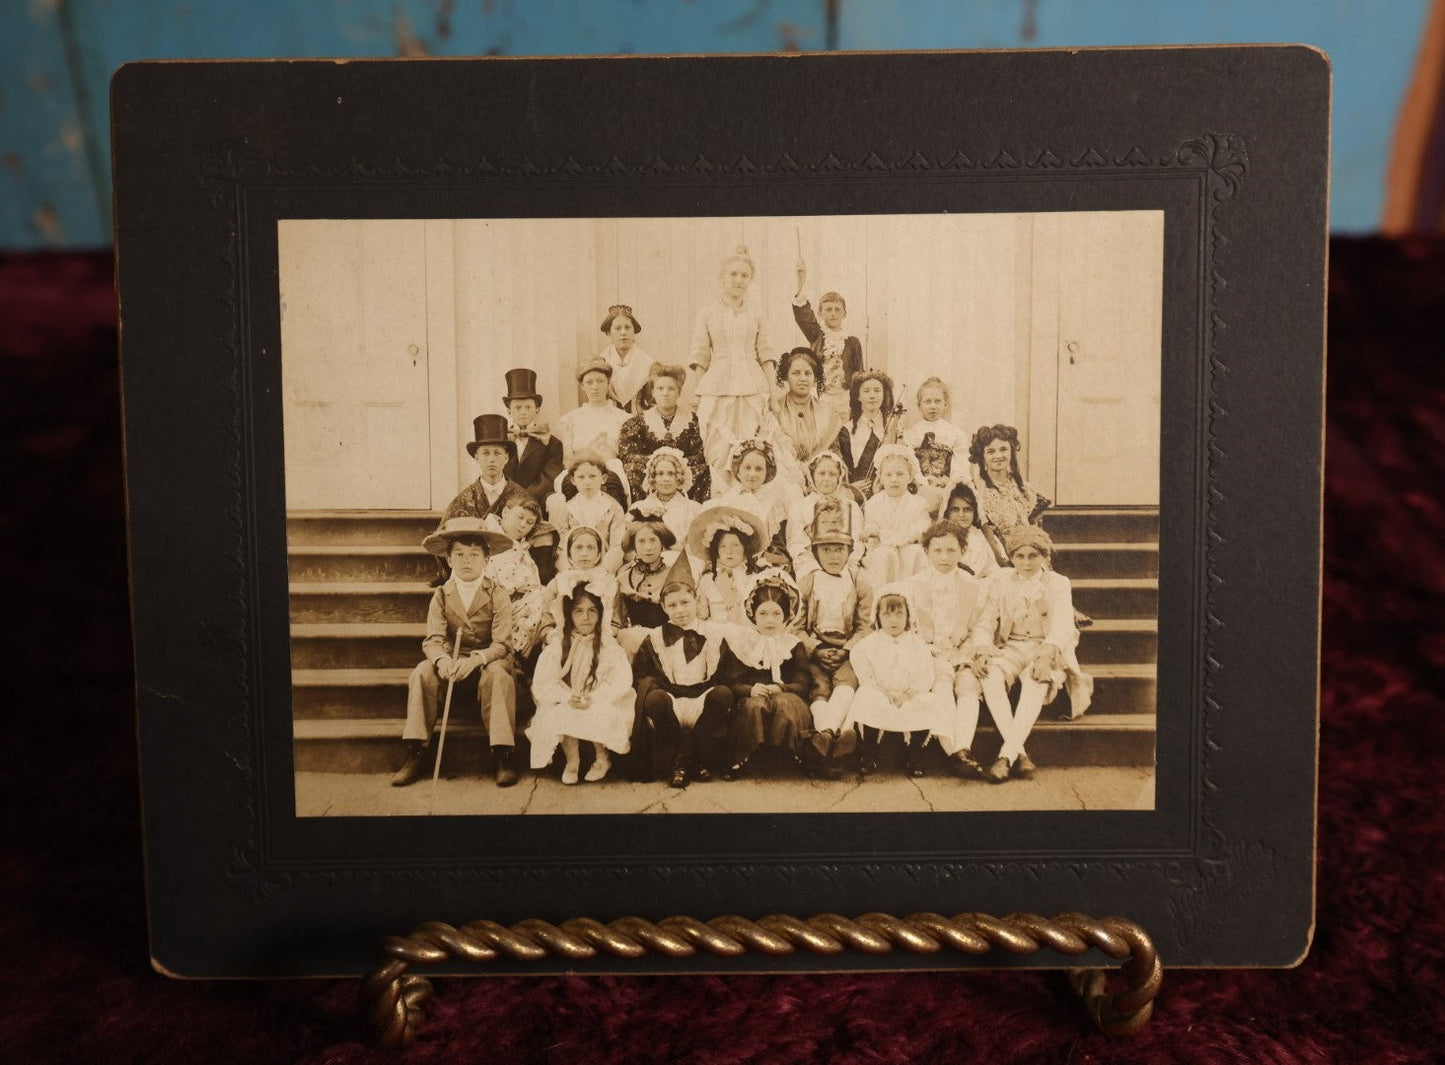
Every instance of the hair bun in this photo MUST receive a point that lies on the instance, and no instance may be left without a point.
(741, 249)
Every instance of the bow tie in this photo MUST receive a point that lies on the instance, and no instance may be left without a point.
(541, 432)
(692, 642)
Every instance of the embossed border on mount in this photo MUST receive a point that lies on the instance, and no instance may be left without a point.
(1218, 161)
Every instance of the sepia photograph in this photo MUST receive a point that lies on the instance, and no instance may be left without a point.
(767, 515)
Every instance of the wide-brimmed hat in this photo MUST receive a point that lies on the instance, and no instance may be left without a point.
(600, 365)
(440, 541)
(715, 519)
(491, 429)
(522, 384)
(832, 523)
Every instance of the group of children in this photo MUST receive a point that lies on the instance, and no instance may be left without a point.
(745, 576)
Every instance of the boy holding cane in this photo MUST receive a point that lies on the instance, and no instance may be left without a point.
(466, 647)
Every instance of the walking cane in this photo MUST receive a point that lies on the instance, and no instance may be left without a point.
(446, 713)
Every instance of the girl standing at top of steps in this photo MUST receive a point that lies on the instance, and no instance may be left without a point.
(1026, 633)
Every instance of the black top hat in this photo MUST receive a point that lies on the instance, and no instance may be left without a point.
(522, 384)
(491, 429)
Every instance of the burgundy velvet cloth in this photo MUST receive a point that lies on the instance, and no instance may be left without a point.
(78, 985)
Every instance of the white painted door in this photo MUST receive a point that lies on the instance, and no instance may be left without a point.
(354, 358)
(1106, 350)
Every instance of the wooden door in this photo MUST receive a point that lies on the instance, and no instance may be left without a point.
(1105, 346)
(354, 359)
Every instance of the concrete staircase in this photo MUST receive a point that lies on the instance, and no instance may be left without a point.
(359, 596)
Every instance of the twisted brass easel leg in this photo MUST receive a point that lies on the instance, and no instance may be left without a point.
(396, 996)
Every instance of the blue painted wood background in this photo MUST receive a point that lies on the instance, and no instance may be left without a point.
(56, 58)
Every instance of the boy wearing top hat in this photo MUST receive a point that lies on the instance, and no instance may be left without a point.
(479, 665)
(494, 451)
(537, 457)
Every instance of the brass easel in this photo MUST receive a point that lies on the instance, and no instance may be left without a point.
(395, 996)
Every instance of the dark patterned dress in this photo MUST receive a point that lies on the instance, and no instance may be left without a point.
(644, 433)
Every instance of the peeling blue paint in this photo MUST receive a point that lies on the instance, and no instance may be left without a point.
(57, 57)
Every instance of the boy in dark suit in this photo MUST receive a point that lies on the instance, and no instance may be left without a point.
(536, 459)
(480, 665)
(495, 453)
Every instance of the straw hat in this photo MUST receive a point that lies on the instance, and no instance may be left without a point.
(440, 542)
(715, 519)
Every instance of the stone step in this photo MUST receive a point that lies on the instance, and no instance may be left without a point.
(367, 563)
(374, 746)
(1119, 640)
(1102, 524)
(396, 645)
(380, 694)
(1117, 597)
(408, 527)
(1100, 560)
(401, 527)
(341, 601)
(377, 563)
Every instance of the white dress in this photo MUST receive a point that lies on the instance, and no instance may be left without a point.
(899, 523)
(600, 512)
(895, 663)
(720, 596)
(607, 720)
(729, 345)
(589, 428)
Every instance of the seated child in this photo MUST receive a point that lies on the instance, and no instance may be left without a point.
(666, 482)
(961, 507)
(948, 601)
(515, 570)
(590, 507)
(938, 443)
(537, 454)
(582, 687)
(581, 551)
(766, 666)
(900, 685)
(840, 354)
(493, 451)
(727, 541)
(828, 475)
(894, 519)
(467, 629)
(835, 613)
(640, 582)
(682, 704)
(1026, 633)
(755, 490)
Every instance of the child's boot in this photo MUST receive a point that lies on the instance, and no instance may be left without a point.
(574, 763)
(414, 768)
(506, 771)
(868, 747)
(601, 763)
(913, 754)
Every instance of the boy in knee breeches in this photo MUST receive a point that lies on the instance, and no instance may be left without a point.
(949, 601)
(466, 644)
(836, 613)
